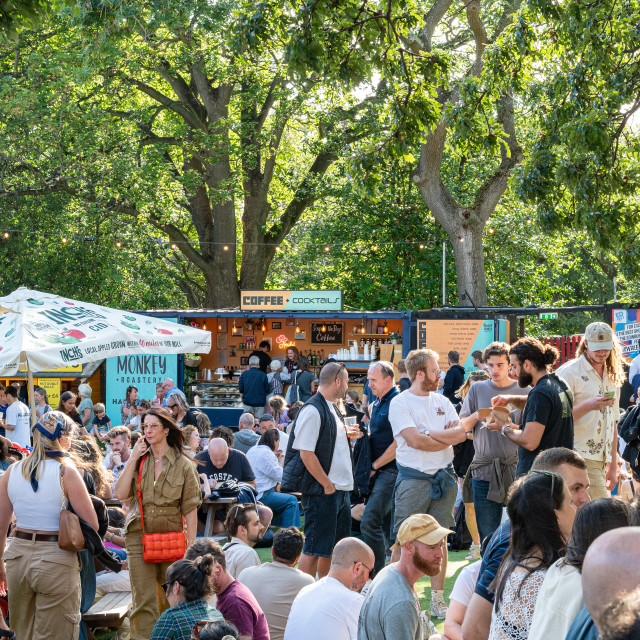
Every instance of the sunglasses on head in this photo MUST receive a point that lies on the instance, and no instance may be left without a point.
(549, 474)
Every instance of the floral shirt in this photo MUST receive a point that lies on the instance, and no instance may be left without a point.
(593, 433)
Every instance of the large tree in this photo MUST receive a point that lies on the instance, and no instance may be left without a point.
(214, 125)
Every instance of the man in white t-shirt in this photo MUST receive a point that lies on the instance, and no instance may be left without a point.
(329, 608)
(325, 476)
(425, 426)
(17, 422)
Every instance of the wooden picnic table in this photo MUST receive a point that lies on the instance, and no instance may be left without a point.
(109, 611)
(211, 506)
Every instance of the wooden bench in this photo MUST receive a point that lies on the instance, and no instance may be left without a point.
(210, 507)
(109, 611)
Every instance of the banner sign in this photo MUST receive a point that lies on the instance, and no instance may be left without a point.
(52, 388)
(463, 336)
(626, 324)
(291, 301)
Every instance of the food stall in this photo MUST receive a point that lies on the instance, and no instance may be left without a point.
(315, 322)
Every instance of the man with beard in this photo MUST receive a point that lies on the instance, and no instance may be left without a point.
(235, 602)
(547, 419)
(244, 526)
(391, 609)
(328, 609)
(595, 377)
(425, 426)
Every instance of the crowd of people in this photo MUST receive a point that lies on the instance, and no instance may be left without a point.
(529, 454)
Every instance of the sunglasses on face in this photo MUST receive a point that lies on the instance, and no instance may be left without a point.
(166, 586)
(372, 572)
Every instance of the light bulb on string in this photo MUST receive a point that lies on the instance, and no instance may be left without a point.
(6, 234)
(263, 326)
(297, 326)
(234, 329)
(64, 240)
(323, 328)
(386, 328)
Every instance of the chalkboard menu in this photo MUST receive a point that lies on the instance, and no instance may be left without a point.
(333, 334)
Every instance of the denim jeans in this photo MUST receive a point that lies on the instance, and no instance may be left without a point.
(88, 587)
(284, 506)
(376, 520)
(488, 512)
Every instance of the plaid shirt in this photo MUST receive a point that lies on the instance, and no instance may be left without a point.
(177, 623)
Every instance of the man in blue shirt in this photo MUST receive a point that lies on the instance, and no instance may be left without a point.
(376, 520)
(573, 469)
(169, 387)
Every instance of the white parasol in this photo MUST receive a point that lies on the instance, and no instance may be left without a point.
(40, 331)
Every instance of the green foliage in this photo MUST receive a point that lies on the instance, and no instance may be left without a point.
(583, 169)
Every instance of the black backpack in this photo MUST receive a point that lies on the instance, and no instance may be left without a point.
(629, 431)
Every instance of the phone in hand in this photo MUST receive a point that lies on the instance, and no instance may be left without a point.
(609, 394)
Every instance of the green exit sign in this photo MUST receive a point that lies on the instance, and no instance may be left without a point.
(548, 316)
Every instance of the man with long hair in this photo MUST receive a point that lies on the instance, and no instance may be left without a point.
(595, 377)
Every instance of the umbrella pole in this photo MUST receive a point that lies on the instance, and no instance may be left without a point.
(32, 400)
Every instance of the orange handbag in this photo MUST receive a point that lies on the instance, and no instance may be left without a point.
(161, 547)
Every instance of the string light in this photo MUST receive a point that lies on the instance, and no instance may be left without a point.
(234, 329)
(297, 326)
(460, 239)
(422, 246)
(225, 248)
(529, 220)
(64, 240)
(174, 246)
(386, 328)
(375, 247)
(326, 248)
(323, 328)
(118, 244)
(491, 229)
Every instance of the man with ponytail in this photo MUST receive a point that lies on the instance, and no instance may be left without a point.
(547, 418)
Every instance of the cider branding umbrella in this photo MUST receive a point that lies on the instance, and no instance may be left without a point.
(40, 331)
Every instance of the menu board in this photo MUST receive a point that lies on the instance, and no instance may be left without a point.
(333, 334)
(463, 336)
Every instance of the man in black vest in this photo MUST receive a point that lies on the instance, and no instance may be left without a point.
(318, 463)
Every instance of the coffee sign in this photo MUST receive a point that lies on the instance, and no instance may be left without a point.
(332, 335)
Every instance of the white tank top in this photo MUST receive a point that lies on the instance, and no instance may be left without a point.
(39, 510)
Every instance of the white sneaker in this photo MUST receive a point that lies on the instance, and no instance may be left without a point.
(438, 607)
(474, 552)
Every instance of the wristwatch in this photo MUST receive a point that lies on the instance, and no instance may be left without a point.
(469, 434)
(505, 426)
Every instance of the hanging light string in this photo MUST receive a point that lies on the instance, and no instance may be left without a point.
(119, 242)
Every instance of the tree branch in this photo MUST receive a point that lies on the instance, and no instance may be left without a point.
(432, 20)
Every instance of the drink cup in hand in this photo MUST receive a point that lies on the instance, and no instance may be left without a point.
(116, 459)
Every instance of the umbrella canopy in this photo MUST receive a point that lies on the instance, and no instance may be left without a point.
(46, 331)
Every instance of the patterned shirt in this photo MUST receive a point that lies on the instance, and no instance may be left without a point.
(593, 433)
(177, 623)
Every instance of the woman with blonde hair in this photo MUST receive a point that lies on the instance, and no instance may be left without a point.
(87, 450)
(42, 580)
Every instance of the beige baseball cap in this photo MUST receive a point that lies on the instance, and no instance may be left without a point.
(421, 527)
(599, 335)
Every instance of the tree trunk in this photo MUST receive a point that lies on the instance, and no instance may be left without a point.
(469, 258)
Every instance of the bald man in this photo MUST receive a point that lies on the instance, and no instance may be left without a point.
(610, 568)
(169, 387)
(220, 464)
(329, 608)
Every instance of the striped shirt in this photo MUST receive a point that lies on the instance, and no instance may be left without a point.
(491, 560)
